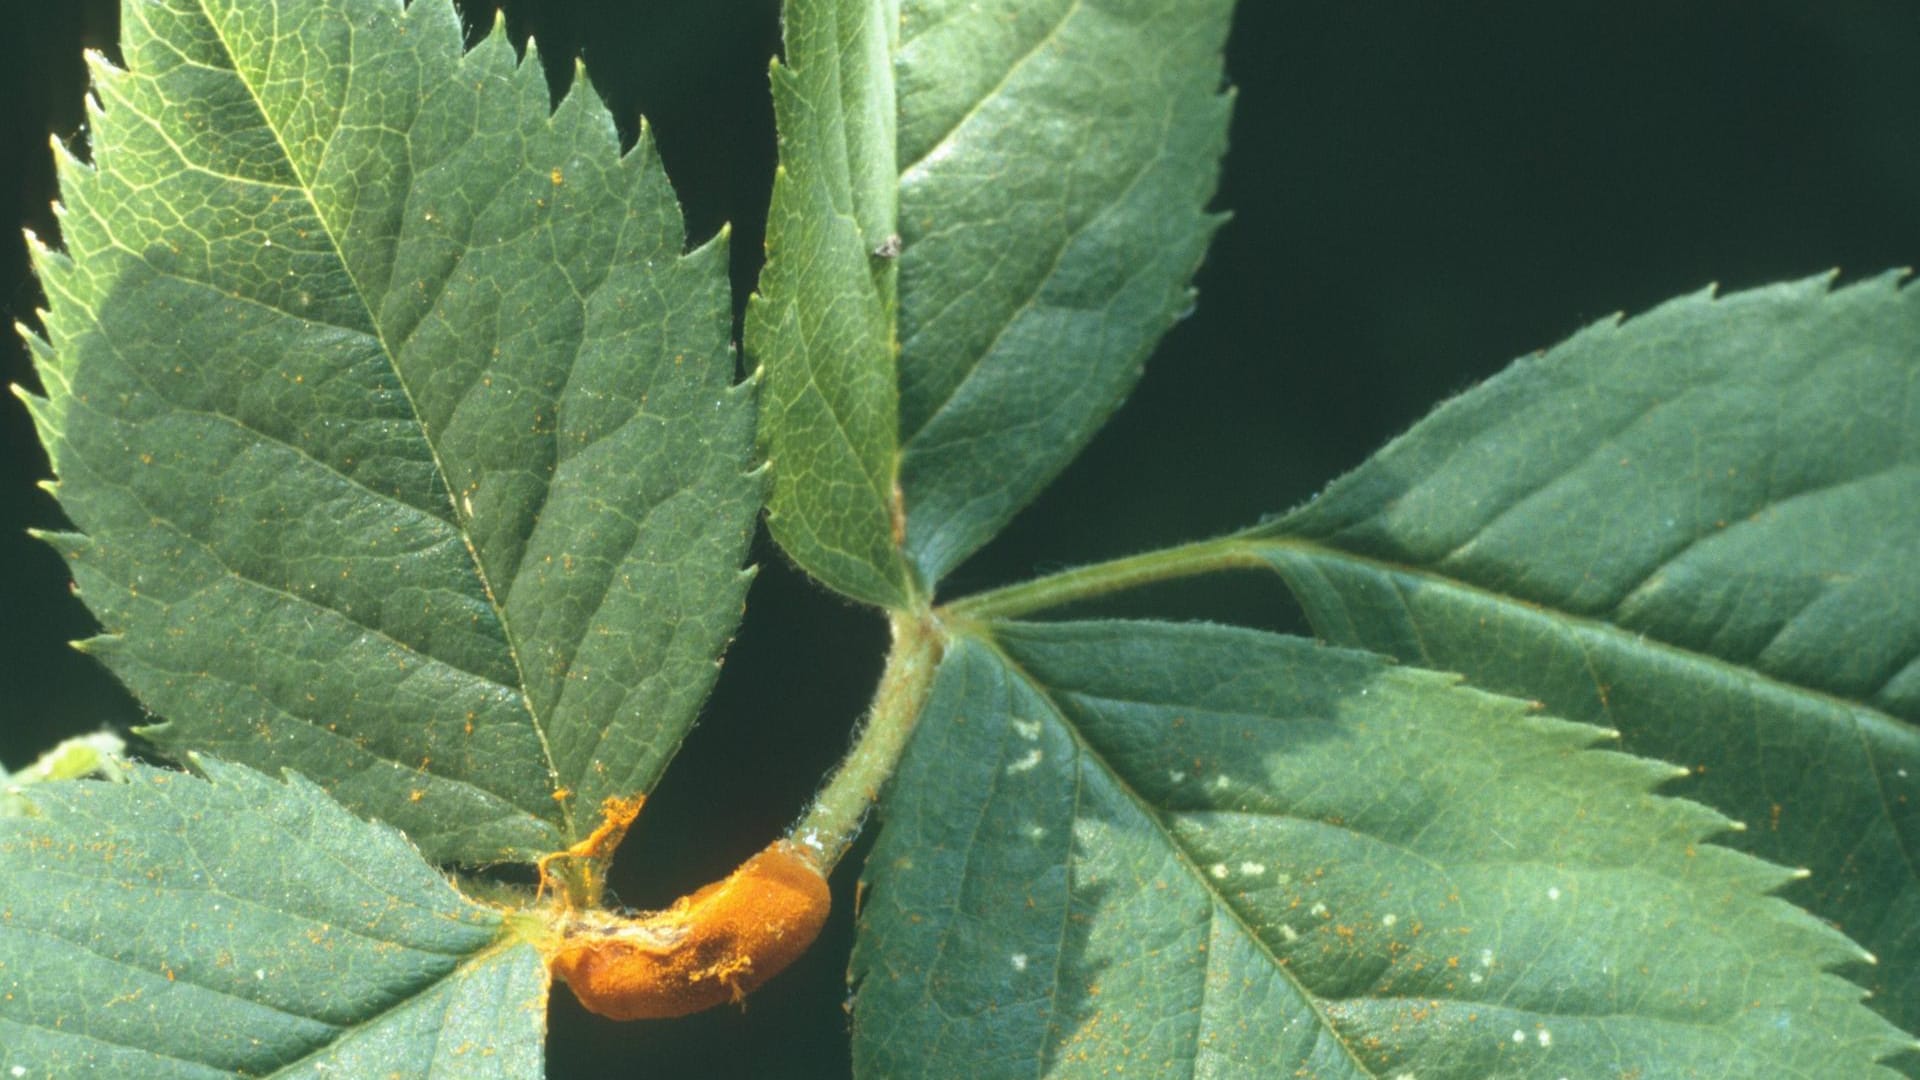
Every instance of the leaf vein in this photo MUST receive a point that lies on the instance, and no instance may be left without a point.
(1040, 282)
(1152, 814)
(1006, 77)
(329, 228)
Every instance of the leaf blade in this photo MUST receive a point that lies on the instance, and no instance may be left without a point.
(174, 926)
(440, 421)
(1178, 847)
(822, 322)
(1747, 604)
(1056, 160)
(985, 218)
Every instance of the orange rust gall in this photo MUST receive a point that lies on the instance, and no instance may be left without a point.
(716, 945)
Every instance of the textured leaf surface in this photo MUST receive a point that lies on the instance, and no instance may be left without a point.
(1189, 850)
(1702, 528)
(235, 926)
(398, 426)
(987, 215)
(822, 324)
(1055, 162)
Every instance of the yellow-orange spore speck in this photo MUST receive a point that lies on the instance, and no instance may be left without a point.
(717, 945)
(616, 815)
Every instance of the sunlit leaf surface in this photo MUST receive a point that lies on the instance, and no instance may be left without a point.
(1190, 850)
(175, 926)
(397, 428)
(1700, 527)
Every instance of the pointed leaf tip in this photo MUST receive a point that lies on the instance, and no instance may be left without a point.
(1744, 598)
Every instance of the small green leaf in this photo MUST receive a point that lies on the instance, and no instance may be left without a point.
(234, 926)
(1700, 527)
(398, 426)
(822, 324)
(1055, 163)
(1194, 850)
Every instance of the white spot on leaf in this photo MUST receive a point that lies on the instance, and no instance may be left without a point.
(1027, 762)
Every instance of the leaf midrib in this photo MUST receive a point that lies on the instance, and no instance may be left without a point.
(373, 323)
(1580, 624)
(505, 799)
(499, 945)
(460, 962)
(1042, 41)
(1152, 813)
(1581, 628)
(144, 1047)
(1033, 286)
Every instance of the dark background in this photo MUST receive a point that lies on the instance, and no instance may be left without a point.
(1421, 193)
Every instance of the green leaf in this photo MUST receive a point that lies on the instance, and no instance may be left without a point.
(1697, 527)
(234, 926)
(1055, 161)
(1195, 850)
(986, 216)
(398, 426)
(822, 324)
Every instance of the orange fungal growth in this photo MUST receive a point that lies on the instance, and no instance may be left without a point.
(616, 815)
(716, 945)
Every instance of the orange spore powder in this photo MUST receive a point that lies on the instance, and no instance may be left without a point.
(718, 944)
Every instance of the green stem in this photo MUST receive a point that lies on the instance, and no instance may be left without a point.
(1100, 579)
(833, 821)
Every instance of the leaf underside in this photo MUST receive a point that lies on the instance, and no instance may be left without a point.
(1701, 528)
(396, 425)
(1193, 850)
(234, 926)
(943, 334)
